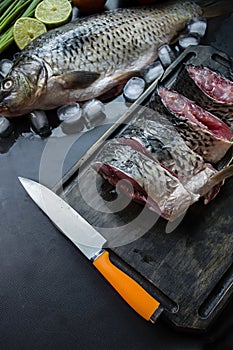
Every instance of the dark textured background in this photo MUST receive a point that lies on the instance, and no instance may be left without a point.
(50, 295)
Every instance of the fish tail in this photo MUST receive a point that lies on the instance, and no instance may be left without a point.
(220, 176)
(211, 188)
(212, 8)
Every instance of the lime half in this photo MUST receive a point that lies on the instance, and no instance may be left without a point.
(26, 29)
(53, 12)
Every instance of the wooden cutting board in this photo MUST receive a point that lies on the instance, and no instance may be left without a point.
(190, 270)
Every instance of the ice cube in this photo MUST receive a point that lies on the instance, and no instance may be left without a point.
(5, 66)
(5, 127)
(134, 88)
(197, 25)
(71, 117)
(75, 12)
(40, 123)
(93, 113)
(186, 40)
(68, 111)
(177, 50)
(152, 72)
(166, 55)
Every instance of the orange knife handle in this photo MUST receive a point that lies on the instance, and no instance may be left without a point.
(141, 301)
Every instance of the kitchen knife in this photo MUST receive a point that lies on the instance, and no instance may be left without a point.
(91, 243)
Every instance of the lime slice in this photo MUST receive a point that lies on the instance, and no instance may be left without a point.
(53, 12)
(26, 29)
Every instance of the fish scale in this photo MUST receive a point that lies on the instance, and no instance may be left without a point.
(167, 145)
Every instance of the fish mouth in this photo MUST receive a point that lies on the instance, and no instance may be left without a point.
(182, 107)
(8, 111)
(3, 108)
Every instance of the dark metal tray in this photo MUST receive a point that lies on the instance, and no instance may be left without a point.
(190, 271)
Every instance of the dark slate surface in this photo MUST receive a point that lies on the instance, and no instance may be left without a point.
(50, 295)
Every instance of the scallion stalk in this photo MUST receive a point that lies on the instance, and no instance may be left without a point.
(13, 15)
(9, 13)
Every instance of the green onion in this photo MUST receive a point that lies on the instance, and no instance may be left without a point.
(12, 15)
(4, 4)
(9, 13)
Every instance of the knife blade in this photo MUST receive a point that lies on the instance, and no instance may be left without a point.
(90, 242)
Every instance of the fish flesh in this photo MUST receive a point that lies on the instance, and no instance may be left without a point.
(88, 57)
(203, 132)
(153, 185)
(148, 182)
(210, 90)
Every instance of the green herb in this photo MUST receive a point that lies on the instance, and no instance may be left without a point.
(9, 13)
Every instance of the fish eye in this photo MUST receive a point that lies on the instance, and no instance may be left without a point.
(8, 84)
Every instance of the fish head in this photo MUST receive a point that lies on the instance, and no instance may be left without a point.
(20, 90)
(14, 92)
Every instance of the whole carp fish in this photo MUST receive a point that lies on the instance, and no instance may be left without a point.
(88, 57)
